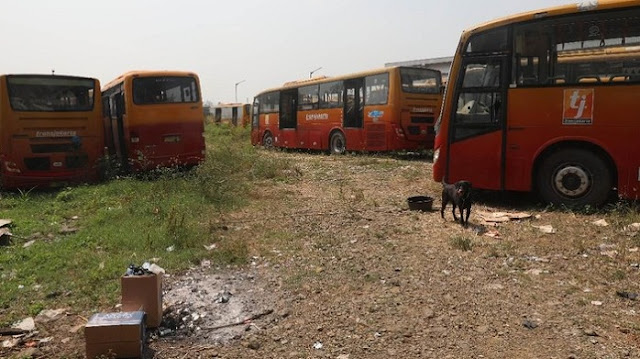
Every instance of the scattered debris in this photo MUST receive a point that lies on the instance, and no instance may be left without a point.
(317, 345)
(627, 295)
(210, 247)
(546, 229)
(27, 324)
(591, 333)
(154, 268)
(5, 222)
(529, 324)
(493, 233)
(12, 331)
(171, 248)
(601, 223)
(48, 315)
(28, 244)
(501, 217)
(534, 272)
(66, 229)
(224, 297)
(597, 303)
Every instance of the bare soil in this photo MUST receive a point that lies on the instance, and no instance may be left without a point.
(341, 268)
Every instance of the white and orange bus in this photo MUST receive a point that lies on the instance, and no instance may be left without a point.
(389, 109)
(235, 114)
(546, 101)
(154, 119)
(50, 130)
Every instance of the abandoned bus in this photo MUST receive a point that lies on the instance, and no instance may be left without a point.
(382, 110)
(546, 101)
(50, 130)
(154, 119)
(235, 114)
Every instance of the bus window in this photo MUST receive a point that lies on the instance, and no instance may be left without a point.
(41, 94)
(488, 42)
(582, 49)
(165, 89)
(480, 100)
(308, 98)
(416, 80)
(331, 94)
(377, 89)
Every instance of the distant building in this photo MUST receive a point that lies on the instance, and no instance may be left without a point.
(442, 64)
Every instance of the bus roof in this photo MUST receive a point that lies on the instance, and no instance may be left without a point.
(583, 6)
(50, 75)
(136, 73)
(229, 104)
(323, 79)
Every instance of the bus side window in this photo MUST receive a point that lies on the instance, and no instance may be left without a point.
(106, 107)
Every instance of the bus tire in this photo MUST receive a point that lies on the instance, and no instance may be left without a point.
(267, 140)
(337, 143)
(575, 178)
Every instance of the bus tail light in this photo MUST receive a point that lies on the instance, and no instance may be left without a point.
(11, 167)
(399, 132)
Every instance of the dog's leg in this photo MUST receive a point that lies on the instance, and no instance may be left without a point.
(462, 214)
(445, 200)
(468, 211)
(453, 210)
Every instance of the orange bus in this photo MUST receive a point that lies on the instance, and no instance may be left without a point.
(381, 110)
(154, 119)
(50, 130)
(236, 114)
(545, 101)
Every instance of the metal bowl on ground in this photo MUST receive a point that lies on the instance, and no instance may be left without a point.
(420, 203)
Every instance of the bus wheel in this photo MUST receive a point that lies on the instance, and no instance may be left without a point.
(575, 178)
(337, 143)
(267, 140)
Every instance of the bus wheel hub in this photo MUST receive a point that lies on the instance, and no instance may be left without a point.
(572, 181)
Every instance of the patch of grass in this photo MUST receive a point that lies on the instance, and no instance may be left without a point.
(86, 236)
(462, 243)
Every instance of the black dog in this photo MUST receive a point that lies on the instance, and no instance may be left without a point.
(459, 194)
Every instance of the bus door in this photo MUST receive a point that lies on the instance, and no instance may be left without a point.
(119, 137)
(255, 121)
(353, 119)
(234, 116)
(477, 135)
(288, 118)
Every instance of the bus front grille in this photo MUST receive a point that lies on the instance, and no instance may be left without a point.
(422, 119)
(52, 148)
(37, 163)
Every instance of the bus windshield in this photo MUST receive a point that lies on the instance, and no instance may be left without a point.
(420, 80)
(50, 93)
(164, 89)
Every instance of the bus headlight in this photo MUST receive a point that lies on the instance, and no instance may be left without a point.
(436, 155)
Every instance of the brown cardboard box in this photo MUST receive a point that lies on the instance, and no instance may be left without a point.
(115, 335)
(143, 292)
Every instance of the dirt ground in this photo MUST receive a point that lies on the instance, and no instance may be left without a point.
(341, 268)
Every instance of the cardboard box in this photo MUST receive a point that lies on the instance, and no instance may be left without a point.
(143, 292)
(115, 335)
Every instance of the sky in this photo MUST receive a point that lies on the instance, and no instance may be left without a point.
(254, 44)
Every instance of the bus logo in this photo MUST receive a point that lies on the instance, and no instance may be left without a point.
(375, 114)
(578, 107)
(55, 133)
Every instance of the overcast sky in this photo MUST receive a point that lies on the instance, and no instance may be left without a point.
(265, 43)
